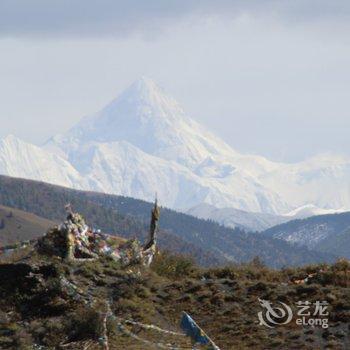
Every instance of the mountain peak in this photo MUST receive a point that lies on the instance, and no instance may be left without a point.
(146, 117)
(10, 139)
(143, 94)
(145, 83)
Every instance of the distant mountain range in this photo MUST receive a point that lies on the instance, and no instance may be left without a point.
(143, 142)
(232, 217)
(252, 221)
(206, 241)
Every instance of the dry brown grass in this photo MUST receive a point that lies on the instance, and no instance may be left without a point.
(223, 301)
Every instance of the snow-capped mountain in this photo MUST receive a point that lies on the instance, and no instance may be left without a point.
(252, 221)
(231, 217)
(143, 142)
(322, 181)
(151, 121)
(317, 232)
(307, 211)
(21, 159)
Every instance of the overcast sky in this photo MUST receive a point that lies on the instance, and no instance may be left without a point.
(270, 77)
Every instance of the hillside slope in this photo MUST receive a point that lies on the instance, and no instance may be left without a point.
(48, 201)
(18, 225)
(207, 241)
(48, 303)
(339, 244)
(323, 232)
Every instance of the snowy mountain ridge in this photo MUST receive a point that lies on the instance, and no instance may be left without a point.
(327, 232)
(150, 120)
(143, 142)
(231, 217)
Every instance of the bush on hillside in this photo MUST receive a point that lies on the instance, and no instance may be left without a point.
(173, 265)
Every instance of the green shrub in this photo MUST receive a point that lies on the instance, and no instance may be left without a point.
(173, 266)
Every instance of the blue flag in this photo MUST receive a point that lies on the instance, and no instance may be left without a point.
(191, 329)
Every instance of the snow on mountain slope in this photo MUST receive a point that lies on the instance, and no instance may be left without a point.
(313, 231)
(143, 142)
(309, 210)
(322, 181)
(150, 120)
(308, 236)
(253, 221)
(121, 168)
(232, 217)
(21, 159)
(182, 156)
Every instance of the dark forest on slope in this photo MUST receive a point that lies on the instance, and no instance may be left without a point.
(333, 231)
(208, 242)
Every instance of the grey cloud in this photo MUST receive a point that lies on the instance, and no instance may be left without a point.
(120, 17)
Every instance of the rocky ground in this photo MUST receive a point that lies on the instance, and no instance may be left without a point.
(49, 303)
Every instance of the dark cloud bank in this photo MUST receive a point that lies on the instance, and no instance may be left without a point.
(117, 18)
